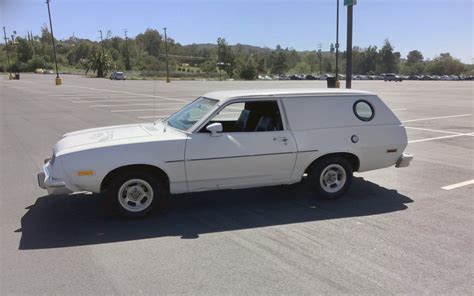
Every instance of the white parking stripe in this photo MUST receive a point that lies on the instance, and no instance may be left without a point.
(126, 92)
(438, 138)
(135, 104)
(124, 100)
(95, 98)
(145, 110)
(457, 185)
(432, 130)
(440, 117)
(153, 116)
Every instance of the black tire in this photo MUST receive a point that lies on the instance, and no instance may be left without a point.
(332, 164)
(156, 187)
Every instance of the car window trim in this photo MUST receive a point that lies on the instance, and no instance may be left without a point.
(240, 100)
(354, 109)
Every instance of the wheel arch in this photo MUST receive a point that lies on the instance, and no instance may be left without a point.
(350, 157)
(154, 170)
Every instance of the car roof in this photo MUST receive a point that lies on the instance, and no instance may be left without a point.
(231, 94)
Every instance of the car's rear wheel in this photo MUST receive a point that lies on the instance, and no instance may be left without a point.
(330, 177)
(134, 195)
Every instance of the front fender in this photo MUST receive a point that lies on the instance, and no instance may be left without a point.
(98, 162)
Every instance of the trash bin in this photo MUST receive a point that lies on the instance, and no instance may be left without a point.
(331, 82)
(17, 76)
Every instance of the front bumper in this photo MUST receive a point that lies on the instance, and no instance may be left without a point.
(404, 160)
(52, 185)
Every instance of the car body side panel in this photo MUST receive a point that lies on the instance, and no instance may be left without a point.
(166, 155)
(329, 124)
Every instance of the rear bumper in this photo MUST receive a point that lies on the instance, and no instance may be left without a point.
(404, 160)
(53, 186)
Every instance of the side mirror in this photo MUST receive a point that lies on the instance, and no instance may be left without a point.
(215, 129)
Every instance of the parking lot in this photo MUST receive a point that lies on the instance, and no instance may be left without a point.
(397, 231)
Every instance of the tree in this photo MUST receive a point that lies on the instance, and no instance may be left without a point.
(247, 70)
(445, 64)
(414, 56)
(301, 68)
(150, 40)
(24, 50)
(208, 66)
(225, 57)
(279, 61)
(98, 62)
(45, 35)
(386, 58)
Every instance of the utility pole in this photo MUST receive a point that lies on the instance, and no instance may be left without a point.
(8, 54)
(58, 79)
(101, 42)
(127, 57)
(167, 63)
(350, 4)
(219, 60)
(337, 43)
(320, 59)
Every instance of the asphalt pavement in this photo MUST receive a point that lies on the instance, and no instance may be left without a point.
(397, 231)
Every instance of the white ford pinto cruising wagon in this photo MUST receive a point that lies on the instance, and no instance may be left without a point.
(230, 140)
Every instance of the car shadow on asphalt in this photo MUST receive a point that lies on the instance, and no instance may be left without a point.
(82, 219)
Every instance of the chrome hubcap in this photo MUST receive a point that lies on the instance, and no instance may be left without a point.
(135, 195)
(333, 178)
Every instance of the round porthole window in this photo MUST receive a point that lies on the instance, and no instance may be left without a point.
(363, 110)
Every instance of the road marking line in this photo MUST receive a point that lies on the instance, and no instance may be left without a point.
(96, 97)
(438, 138)
(440, 117)
(432, 130)
(125, 100)
(153, 116)
(457, 185)
(137, 104)
(145, 110)
(128, 93)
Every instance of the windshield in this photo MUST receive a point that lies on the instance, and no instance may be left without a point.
(185, 118)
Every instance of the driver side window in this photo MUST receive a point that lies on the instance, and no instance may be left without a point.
(251, 116)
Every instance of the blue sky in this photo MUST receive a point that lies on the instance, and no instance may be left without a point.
(432, 26)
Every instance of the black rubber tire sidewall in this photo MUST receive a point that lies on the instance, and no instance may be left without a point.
(114, 187)
(317, 169)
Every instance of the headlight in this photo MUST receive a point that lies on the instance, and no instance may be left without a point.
(50, 159)
(53, 158)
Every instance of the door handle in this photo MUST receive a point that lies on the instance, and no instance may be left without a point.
(281, 139)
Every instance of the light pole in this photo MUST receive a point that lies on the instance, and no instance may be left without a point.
(58, 79)
(127, 57)
(166, 53)
(8, 54)
(337, 43)
(350, 4)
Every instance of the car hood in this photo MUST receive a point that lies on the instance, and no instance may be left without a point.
(112, 135)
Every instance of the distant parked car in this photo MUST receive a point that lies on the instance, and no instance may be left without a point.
(117, 76)
(310, 77)
(392, 77)
(296, 77)
(325, 76)
(49, 71)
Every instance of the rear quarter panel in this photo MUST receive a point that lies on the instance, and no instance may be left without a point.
(326, 124)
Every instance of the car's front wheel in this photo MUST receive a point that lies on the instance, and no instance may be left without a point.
(330, 177)
(135, 195)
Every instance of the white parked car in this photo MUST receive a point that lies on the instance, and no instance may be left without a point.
(230, 140)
